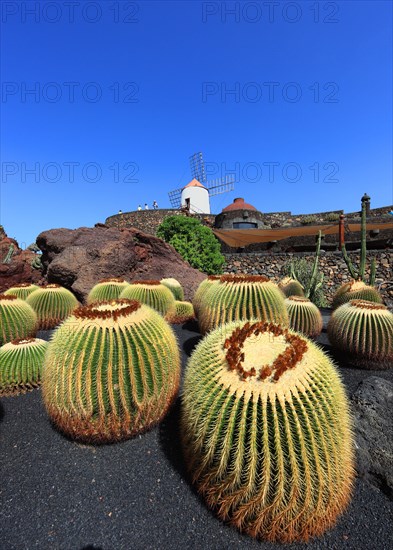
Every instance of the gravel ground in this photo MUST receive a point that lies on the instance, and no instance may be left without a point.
(58, 494)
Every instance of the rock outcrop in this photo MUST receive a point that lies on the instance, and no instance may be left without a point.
(16, 264)
(79, 258)
(372, 406)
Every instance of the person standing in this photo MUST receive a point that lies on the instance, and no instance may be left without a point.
(155, 205)
(146, 206)
(139, 207)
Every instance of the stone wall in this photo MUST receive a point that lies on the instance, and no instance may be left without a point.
(149, 220)
(330, 263)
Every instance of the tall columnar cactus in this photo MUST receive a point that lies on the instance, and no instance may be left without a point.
(266, 431)
(53, 304)
(17, 319)
(201, 290)
(291, 287)
(241, 297)
(151, 293)
(360, 272)
(175, 287)
(21, 364)
(304, 316)
(111, 371)
(182, 313)
(355, 290)
(107, 289)
(21, 291)
(363, 331)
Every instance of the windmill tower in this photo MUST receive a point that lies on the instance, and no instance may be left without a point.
(195, 196)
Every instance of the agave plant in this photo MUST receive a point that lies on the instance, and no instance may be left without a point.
(363, 331)
(111, 371)
(266, 431)
(241, 297)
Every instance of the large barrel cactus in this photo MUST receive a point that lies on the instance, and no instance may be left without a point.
(17, 319)
(363, 331)
(21, 364)
(111, 371)
(150, 293)
(241, 297)
(266, 431)
(304, 316)
(107, 289)
(175, 287)
(53, 304)
(182, 313)
(355, 290)
(202, 289)
(291, 287)
(21, 291)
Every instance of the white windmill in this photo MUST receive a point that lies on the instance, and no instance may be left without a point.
(195, 196)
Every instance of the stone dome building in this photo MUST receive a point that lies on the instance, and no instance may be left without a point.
(239, 215)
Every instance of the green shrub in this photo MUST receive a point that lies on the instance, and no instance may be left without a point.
(332, 217)
(194, 242)
(308, 220)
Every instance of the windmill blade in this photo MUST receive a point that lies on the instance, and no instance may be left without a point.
(221, 185)
(197, 166)
(175, 198)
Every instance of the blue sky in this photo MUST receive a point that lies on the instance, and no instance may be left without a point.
(125, 92)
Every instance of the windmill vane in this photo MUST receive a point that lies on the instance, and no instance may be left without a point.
(194, 197)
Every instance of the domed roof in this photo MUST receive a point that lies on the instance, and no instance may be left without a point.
(239, 204)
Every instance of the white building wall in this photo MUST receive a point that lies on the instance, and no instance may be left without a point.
(199, 199)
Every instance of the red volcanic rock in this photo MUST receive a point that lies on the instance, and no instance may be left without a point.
(19, 269)
(78, 258)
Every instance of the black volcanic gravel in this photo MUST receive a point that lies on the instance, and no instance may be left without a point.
(58, 494)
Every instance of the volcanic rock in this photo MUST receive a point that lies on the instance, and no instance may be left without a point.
(372, 406)
(78, 258)
(17, 269)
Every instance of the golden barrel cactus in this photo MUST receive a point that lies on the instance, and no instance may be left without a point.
(21, 363)
(17, 319)
(111, 371)
(21, 291)
(363, 331)
(355, 290)
(107, 289)
(202, 289)
(52, 304)
(304, 316)
(175, 287)
(182, 313)
(266, 431)
(291, 287)
(150, 293)
(241, 297)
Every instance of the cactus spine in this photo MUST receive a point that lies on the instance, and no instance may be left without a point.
(17, 319)
(175, 287)
(266, 431)
(21, 291)
(21, 364)
(291, 287)
(304, 316)
(150, 293)
(107, 289)
(355, 290)
(111, 371)
(241, 297)
(53, 304)
(363, 330)
(182, 313)
(201, 290)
